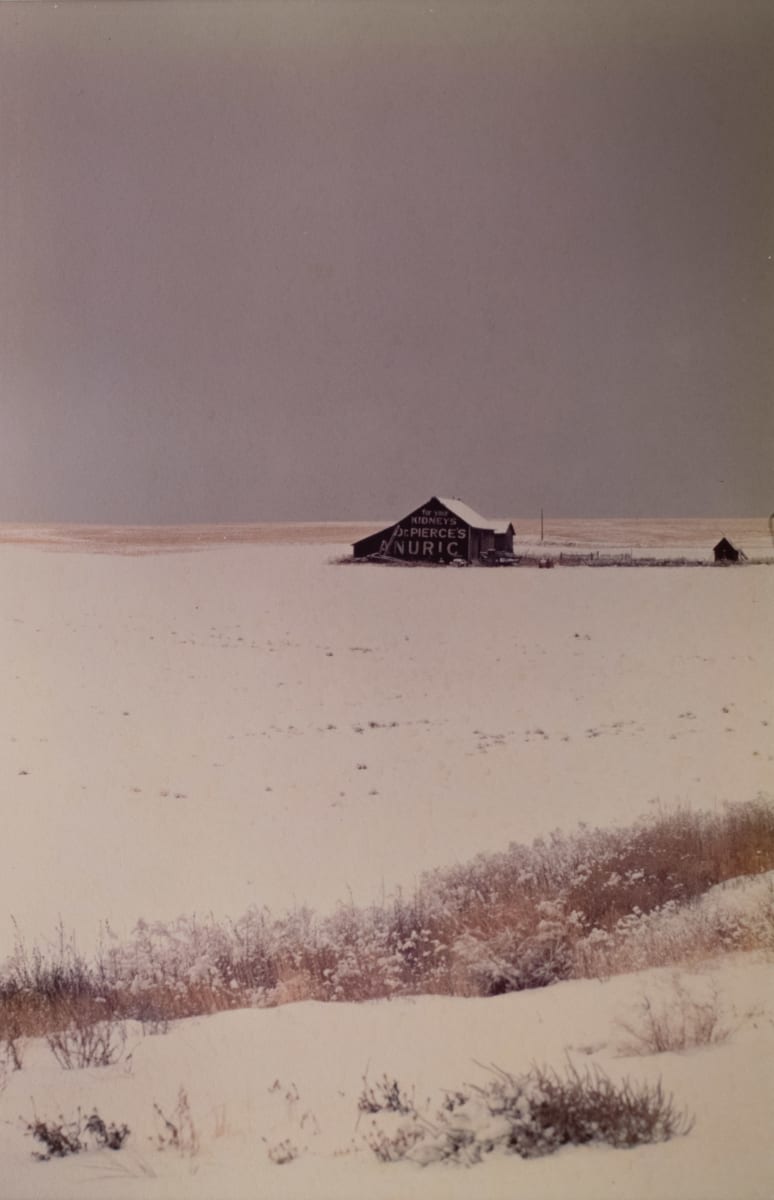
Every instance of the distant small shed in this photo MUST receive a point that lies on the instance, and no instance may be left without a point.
(726, 551)
(441, 532)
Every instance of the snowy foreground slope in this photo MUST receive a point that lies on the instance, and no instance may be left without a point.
(258, 1078)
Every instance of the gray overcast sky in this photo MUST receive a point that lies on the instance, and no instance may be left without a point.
(296, 260)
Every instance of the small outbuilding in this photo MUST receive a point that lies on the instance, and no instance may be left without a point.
(439, 532)
(726, 551)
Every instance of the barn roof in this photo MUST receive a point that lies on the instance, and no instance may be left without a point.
(471, 517)
(463, 511)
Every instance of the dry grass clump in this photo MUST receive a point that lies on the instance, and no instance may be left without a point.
(591, 903)
(177, 1130)
(57, 998)
(679, 1018)
(88, 1039)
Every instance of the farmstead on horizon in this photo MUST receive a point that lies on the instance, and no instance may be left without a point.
(441, 531)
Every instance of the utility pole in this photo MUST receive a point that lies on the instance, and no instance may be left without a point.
(541, 525)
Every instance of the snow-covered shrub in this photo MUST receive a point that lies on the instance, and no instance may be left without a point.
(282, 1152)
(182, 968)
(397, 1144)
(293, 988)
(62, 1138)
(359, 960)
(533, 1115)
(386, 1095)
(418, 940)
(514, 959)
(485, 967)
(738, 915)
(108, 1137)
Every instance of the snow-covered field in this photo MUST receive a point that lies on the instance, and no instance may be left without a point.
(203, 731)
(254, 724)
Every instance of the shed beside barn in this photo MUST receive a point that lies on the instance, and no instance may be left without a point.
(726, 551)
(440, 532)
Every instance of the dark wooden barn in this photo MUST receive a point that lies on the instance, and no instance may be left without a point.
(440, 531)
(726, 551)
